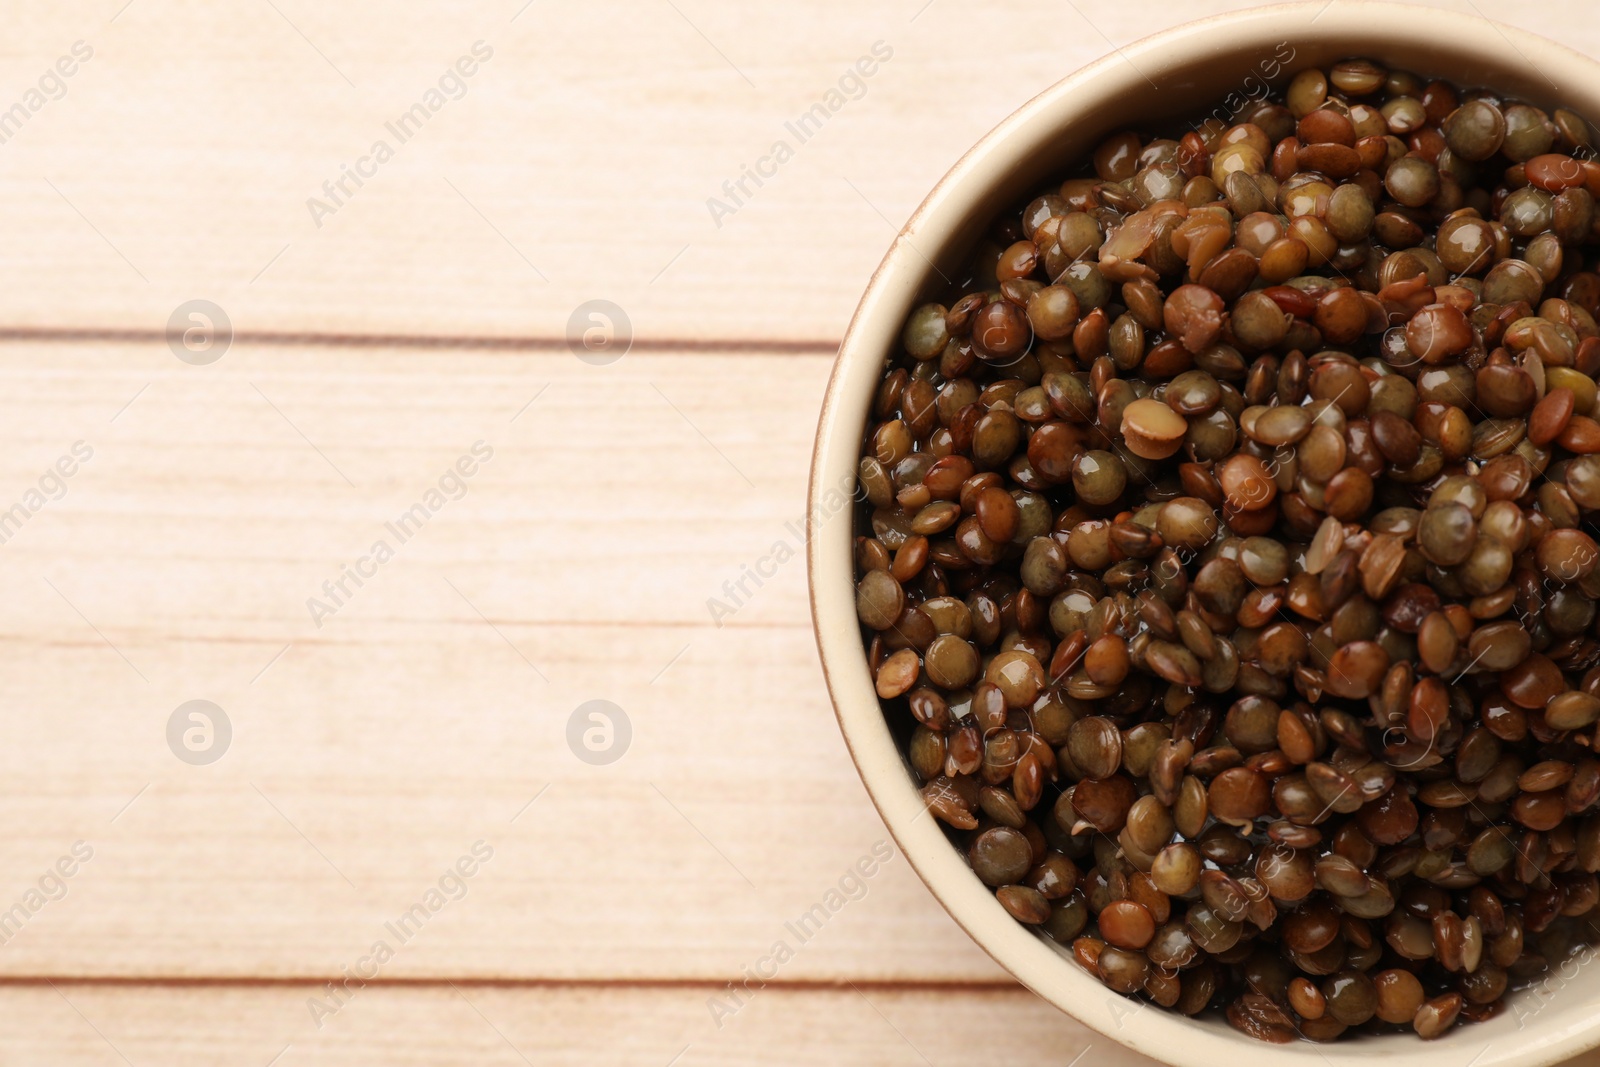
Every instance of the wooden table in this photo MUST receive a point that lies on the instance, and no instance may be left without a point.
(555, 530)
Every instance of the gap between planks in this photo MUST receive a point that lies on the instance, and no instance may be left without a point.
(798, 985)
(282, 338)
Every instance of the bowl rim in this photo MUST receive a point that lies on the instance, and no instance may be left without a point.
(876, 322)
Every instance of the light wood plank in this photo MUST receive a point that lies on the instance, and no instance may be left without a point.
(431, 712)
(69, 1023)
(432, 707)
(195, 136)
(75, 1024)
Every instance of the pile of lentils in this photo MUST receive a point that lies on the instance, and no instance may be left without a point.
(1227, 565)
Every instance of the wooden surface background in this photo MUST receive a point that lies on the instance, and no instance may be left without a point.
(427, 313)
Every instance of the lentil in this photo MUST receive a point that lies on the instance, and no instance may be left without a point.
(1229, 571)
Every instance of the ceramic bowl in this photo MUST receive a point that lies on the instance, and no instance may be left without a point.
(1164, 76)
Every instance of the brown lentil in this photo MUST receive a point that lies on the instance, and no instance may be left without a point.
(1228, 571)
(1400, 994)
(1152, 430)
(1126, 924)
(1437, 1015)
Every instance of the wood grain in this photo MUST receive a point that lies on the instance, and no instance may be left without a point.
(597, 555)
(369, 752)
(180, 162)
(72, 1024)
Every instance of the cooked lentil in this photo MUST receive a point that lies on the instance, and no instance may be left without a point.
(1228, 561)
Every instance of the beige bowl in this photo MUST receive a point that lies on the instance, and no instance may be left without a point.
(1188, 66)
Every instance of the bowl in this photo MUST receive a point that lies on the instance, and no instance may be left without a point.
(1163, 76)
